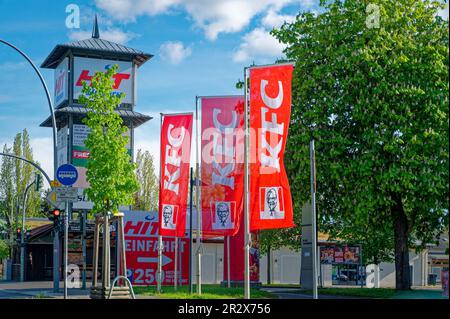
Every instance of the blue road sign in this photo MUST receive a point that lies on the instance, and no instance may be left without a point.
(67, 174)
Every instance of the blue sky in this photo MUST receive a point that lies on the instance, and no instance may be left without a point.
(200, 48)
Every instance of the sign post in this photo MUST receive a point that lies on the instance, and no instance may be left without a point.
(67, 175)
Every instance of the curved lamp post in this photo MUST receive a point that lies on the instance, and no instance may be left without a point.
(49, 100)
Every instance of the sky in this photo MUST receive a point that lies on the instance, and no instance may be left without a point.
(200, 47)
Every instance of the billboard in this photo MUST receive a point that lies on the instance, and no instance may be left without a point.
(80, 157)
(85, 68)
(338, 254)
(141, 246)
(61, 82)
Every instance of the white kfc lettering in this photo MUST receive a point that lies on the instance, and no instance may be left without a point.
(172, 158)
(273, 159)
(222, 177)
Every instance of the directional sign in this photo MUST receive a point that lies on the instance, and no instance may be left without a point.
(67, 174)
(55, 184)
(51, 199)
(66, 194)
(165, 260)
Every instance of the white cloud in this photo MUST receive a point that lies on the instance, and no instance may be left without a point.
(213, 16)
(174, 51)
(275, 20)
(444, 12)
(258, 44)
(111, 34)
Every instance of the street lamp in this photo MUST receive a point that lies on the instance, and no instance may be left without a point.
(49, 100)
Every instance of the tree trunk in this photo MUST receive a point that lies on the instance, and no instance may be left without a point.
(400, 220)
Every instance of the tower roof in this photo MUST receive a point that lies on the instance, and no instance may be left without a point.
(95, 46)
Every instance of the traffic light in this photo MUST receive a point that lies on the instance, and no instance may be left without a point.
(54, 216)
(18, 232)
(38, 182)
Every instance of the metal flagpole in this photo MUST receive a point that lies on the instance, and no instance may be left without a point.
(190, 230)
(160, 242)
(246, 197)
(175, 273)
(199, 209)
(314, 219)
(228, 262)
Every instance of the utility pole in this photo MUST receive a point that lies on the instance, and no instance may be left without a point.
(22, 234)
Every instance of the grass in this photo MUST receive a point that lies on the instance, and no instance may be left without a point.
(208, 292)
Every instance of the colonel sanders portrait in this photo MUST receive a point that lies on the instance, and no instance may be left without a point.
(167, 215)
(272, 200)
(222, 212)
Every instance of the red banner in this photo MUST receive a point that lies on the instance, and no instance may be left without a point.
(270, 109)
(222, 166)
(176, 135)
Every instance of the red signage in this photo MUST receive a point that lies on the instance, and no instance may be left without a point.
(141, 245)
(222, 166)
(340, 254)
(176, 134)
(270, 109)
(118, 77)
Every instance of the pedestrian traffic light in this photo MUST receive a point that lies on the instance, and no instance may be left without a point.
(38, 182)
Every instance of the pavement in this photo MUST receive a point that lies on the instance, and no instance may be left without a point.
(296, 293)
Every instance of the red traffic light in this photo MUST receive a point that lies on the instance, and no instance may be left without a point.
(56, 213)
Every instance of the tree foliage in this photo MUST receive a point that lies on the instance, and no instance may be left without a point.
(375, 99)
(147, 197)
(110, 170)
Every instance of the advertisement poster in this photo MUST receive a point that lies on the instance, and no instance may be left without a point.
(141, 246)
(270, 109)
(222, 165)
(61, 82)
(85, 68)
(340, 254)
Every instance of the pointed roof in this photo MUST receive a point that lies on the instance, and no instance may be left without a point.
(95, 31)
(96, 46)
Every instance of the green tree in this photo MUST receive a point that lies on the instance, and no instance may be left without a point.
(375, 99)
(147, 197)
(110, 171)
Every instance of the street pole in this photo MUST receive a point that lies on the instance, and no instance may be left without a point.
(66, 246)
(22, 235)
(314, 218)
(228, 262)
(190, 230)
(246, 197)
(56, 250)
(83, 245)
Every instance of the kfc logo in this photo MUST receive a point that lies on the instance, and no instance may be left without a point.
(224, 212)
(272, 203)
(169, 213)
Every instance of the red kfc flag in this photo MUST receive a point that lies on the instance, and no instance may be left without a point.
(270, 109)
(222, 166)
(176, 132)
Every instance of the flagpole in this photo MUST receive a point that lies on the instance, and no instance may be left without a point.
(175, 277)
(228, 262)
(199, 209)
(191, 212)
(160, 243)
(246, 196)
(314, 218)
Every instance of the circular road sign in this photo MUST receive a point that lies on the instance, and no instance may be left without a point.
(67, 174)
